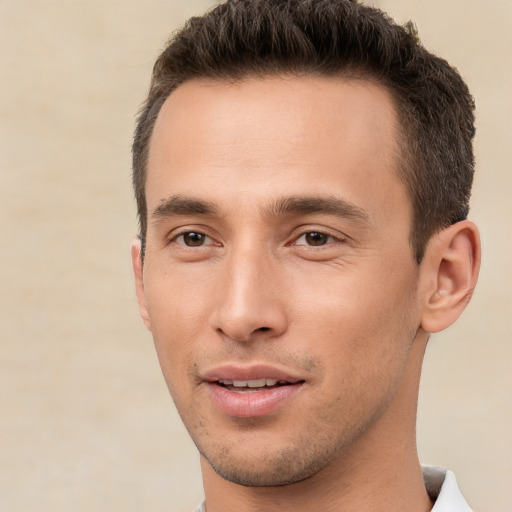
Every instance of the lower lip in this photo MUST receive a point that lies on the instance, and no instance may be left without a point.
(251, 404)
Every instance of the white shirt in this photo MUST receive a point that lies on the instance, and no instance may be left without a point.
(441, 486)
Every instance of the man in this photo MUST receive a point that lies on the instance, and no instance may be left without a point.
(302, 170)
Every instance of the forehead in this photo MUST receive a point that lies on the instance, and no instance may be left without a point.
(236, 138)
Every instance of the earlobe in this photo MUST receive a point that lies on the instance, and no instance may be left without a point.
(450, 271)
(139, 281)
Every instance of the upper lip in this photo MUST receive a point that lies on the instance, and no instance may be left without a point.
(252, 372)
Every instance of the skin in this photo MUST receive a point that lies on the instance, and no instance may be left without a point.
(333, 297)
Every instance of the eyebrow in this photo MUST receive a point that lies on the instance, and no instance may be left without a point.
(329, 205)
(180, 205)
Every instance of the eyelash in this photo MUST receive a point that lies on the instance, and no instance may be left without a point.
(327, 239)
(176, 237)
(330, 239)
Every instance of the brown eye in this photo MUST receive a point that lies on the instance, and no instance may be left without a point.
(193, 239)
(314, 238)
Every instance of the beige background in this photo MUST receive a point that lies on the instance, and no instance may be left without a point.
(86, 421)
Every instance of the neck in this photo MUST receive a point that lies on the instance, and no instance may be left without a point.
(380, 472)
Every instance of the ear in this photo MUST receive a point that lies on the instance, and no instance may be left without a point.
(139, 282)
(449, 271)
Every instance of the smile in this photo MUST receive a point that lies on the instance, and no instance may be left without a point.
(250, 391)
(251, 386)
(252, 398)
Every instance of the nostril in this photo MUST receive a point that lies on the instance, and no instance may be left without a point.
(263, 329)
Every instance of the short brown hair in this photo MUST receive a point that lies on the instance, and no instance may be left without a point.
(252, 38)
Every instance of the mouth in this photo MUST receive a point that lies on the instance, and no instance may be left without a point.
(253, 386)
(251, 392)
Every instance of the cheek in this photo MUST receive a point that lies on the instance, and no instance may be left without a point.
(363, 344)
(177, 298)
(362, 325)
(177, 306)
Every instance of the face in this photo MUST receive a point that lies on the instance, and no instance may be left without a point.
(278, 282)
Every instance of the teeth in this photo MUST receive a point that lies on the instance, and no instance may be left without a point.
(250, 383)
(256, 383)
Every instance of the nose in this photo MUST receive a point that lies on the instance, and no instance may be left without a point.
(249, 298)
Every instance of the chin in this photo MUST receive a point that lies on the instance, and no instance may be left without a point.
(269, 469)
(272, 475)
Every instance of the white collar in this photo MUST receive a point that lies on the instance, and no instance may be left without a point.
(443, 490)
